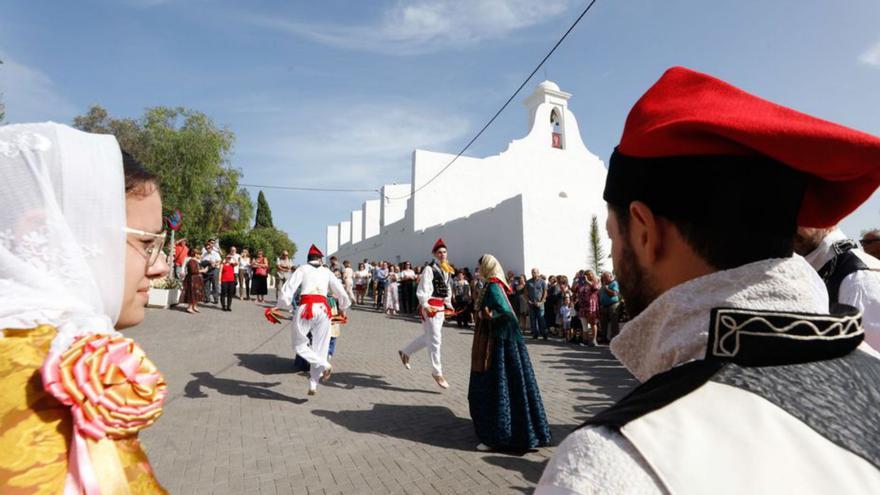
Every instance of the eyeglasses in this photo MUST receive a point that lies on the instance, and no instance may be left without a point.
(154, 249)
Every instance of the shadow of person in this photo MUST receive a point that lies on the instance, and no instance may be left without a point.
(227, 386)
(352, 380)
(433, 425)
(530, 470)
(267, 364)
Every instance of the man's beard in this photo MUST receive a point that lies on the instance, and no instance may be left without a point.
(635, 284)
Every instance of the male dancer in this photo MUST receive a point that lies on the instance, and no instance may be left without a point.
(435, 297)
(313, 313)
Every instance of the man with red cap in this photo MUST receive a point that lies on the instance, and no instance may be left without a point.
(435, 298)
(749, 383)
(314, 281)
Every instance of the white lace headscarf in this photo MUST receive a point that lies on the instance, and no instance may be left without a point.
(62, 244)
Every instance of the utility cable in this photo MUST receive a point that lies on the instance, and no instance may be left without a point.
(515, 93)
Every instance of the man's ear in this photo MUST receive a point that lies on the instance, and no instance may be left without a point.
(645, 234)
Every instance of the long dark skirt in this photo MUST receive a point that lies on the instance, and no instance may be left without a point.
(505, 402)
(259, 285)
(193, 289)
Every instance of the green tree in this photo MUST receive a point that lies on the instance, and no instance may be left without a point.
(597, 254)
(264, 213)
(190, 154)
(270, 240)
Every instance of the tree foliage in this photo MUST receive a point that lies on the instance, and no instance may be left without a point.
(597, 254)
(264, 213)
(270, 240)
(190, 154)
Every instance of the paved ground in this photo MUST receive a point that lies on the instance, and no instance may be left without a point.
(238, 419)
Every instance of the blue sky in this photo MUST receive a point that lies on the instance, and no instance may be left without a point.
(339, 93)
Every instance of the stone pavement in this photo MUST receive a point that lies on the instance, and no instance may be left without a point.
(238, 420)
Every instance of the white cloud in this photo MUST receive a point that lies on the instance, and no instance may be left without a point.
(871, 56)
(30, 95)
(419, 26)
(359, 146)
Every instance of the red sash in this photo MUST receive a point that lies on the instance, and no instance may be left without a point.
(435, 305)
(309, 300)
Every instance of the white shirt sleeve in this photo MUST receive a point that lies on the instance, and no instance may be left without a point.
(285, 299)
(597, 461)
(426, 286)
(342, 300)
(862, 290)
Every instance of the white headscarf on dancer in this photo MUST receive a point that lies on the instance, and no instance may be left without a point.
(62, 243)
(490, 268)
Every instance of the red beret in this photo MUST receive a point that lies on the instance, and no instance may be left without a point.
(437, 245)
(690, 114)
(315, 252)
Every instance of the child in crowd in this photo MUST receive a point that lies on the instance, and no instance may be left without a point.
(227, 282)
(565, 313)
(335, 327)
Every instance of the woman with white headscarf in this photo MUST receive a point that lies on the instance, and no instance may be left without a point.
(80, 239)
(503, 395)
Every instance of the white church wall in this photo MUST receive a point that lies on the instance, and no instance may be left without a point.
(371, 218)
(357, 226)
(393, 203)
(495, 230)
(332, 239)
(344, 232)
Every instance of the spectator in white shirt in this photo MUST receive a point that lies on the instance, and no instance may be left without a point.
(283, 266)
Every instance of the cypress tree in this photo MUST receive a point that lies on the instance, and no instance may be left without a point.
(597, 254)
(264, 214)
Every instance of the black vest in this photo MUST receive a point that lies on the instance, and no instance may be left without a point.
(807, 365)
(441, 289)
(843, 264)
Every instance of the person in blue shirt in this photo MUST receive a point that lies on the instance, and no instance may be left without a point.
(609, 301)
(380, 277)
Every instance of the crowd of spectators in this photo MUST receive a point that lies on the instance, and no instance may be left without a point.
(584, 310)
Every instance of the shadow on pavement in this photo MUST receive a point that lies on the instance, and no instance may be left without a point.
(600, 379)
(433, 425)
(351, 380)
(227, 386)
(530, 470)
(267, 364)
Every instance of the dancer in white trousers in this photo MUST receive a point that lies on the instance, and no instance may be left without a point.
(435, 297)
(313, 313)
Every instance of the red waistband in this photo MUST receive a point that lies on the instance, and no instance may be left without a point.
(308, 300)
(437, 302)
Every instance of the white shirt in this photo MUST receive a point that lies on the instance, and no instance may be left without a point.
(212, 256)
(347, 275)
(244, 263)
(236, 260)
(282, 263)
(361, 277)
(408, 274)
(860, 289)
(313, 280)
